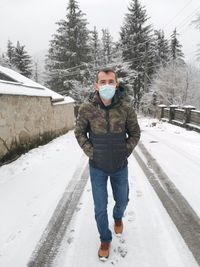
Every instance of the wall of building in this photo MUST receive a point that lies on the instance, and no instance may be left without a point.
(29, 121)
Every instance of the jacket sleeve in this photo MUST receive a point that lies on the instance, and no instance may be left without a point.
(81, 130)
(132, 129)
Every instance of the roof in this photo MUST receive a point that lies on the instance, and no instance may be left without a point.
(13, 83)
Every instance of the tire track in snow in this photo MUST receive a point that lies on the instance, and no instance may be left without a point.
(48, 246)
(182, 214)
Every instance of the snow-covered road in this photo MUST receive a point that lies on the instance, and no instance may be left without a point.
(150, 237)
(178, 153)
(31, 187)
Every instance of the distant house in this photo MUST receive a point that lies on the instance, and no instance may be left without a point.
(30, 114)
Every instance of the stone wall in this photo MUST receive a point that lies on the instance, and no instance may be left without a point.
(29, 121)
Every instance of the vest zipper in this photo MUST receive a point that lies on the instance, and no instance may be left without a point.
(107, 121)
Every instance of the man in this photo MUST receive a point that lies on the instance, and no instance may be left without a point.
(111, 123)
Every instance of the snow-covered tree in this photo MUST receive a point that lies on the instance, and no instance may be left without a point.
(10, 52)
(4, 61)
(107, 45)
(69, 50)
(95, 48)
(175, 48)
(192, 92)
(137, 47)
(149, 102)
(22, 61)
(126, 75)
(177, 84)
(161, 48)
(35, 72)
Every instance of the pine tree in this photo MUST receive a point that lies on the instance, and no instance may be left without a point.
(95, 48)
(69, 51)
(161, 48)
(4, 60)
(176, 53)
(124, 72)
(36, 74)
(10, 52)
(137, 47)
(107, 44)
(22, 61)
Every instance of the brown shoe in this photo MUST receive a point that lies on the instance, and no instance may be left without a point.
(118, 227)
(103, 252)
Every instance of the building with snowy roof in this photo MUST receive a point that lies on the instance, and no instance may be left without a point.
(30, 114)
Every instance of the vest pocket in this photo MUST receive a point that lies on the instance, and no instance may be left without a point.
(119, 154)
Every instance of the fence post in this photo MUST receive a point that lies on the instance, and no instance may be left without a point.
(172, 112)
(161, 111)
(187, 114)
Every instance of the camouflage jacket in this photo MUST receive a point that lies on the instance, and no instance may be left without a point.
(107, 134)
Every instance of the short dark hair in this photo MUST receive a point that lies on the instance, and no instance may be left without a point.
(106, 70)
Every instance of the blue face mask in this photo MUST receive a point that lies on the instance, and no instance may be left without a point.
(107, 91)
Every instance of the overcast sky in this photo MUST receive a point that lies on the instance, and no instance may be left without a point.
(32, 22)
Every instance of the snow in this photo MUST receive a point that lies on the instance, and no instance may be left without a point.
(162, 106)
(25, 86)
(193, 125)
(66, 99)
(31, 187)
(196, 111)
(20, 78)
(179, 109)
(178, 152)
(173, 106)
(189, 106)
(179, 122)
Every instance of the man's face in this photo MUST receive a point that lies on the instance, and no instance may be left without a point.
(106, 78)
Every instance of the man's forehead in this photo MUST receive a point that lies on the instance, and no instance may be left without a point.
(106, 75)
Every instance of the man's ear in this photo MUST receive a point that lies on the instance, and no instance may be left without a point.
(96, 86)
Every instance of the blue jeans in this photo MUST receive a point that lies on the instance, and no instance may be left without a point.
(120, 189)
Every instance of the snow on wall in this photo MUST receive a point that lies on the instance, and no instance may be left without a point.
(25, 86)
